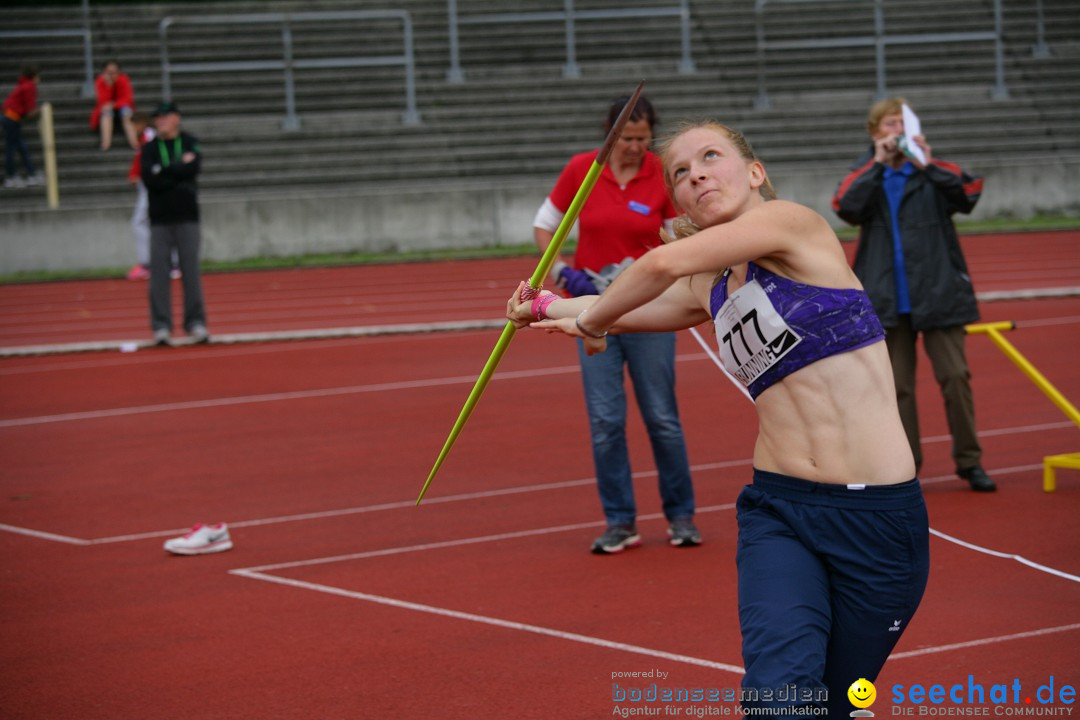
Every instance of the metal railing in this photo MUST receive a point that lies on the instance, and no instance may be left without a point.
(568, 16)
(83, 32)
(291, 121)
(879, 40)
(1040, 49)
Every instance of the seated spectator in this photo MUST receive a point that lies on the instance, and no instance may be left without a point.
(115, 101)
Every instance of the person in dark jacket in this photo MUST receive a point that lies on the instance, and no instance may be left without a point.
(169, 166)
(910, 262)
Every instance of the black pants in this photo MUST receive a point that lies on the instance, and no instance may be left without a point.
(185, 239)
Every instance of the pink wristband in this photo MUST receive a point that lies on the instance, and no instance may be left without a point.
(540, 305)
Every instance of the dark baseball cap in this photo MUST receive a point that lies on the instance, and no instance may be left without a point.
(165, 108)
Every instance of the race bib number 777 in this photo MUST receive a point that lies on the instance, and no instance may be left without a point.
(751, 334)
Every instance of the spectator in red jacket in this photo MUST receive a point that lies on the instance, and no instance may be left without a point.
(115, 101)
(19, 105)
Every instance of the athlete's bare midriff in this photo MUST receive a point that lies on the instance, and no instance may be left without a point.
(805, 432)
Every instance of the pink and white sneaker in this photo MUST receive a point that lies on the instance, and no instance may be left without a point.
(138, 272)
(201, 540)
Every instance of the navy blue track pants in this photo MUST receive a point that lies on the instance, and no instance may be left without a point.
(829, 578)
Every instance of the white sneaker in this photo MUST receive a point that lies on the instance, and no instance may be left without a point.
(201, 540)
(199, 333)
(14, 182)
(35, 180)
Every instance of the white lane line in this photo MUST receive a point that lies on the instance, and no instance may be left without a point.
(323, 514)
(277, 397)
(397, 505)
(259, 337)
(952, 477)
(409, 328)
(984, 641)
(236, 350)
(296, 395)
(44, 535)
(461, 542)
(434, 500)
(496, 622)
(1007, 556)
(1027, 294)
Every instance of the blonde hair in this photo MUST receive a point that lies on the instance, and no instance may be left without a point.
(684, 226)
(888, 106)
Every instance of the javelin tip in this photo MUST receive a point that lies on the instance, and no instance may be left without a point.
(620, 123)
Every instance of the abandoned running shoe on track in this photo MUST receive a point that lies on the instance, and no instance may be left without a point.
(201, 540)
(616, 539)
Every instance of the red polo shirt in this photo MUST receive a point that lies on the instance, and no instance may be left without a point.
(615, 222)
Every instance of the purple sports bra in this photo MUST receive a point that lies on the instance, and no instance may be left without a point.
(772, 326)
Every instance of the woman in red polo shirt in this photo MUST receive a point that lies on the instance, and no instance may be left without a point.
(622, 219)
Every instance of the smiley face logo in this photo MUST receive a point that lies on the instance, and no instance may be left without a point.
(862, 693)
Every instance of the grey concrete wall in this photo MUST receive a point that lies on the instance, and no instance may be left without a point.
(463, 215)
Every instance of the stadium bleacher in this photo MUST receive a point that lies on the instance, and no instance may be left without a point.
(515, 119)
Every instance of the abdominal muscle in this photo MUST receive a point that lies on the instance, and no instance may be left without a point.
(835, 421)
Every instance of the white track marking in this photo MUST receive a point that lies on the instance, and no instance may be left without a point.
(984, 641)
(260, 337)
(952, 477)
(294, 395)
(469, 541)
(323, 514)
(496, 622)
(278, 397)
(404, 328)
(44, 535)
(434, 500)
(1008, 556)
(1029, 294)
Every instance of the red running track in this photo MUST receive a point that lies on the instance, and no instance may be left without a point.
(386, 295)
(342, 600)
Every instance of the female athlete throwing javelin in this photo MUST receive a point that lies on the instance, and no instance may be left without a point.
(833, 550)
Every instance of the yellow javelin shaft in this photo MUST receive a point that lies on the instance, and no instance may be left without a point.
(537, 279)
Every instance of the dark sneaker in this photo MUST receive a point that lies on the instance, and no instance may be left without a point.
(980, 481)
(616, 539)
(684, 533)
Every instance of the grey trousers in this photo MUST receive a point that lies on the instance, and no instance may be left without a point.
(140, 225)
(185, 239)
(945, 348)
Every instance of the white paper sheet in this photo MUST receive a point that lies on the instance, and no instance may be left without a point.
(912, 127)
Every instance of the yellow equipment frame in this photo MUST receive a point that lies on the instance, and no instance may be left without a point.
(1050, 462)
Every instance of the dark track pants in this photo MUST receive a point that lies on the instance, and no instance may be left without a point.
(184, 239)
(829, 579)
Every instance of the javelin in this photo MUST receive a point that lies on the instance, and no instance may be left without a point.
(537, 279)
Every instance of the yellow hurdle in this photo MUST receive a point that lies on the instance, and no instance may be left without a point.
(1050, 462)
